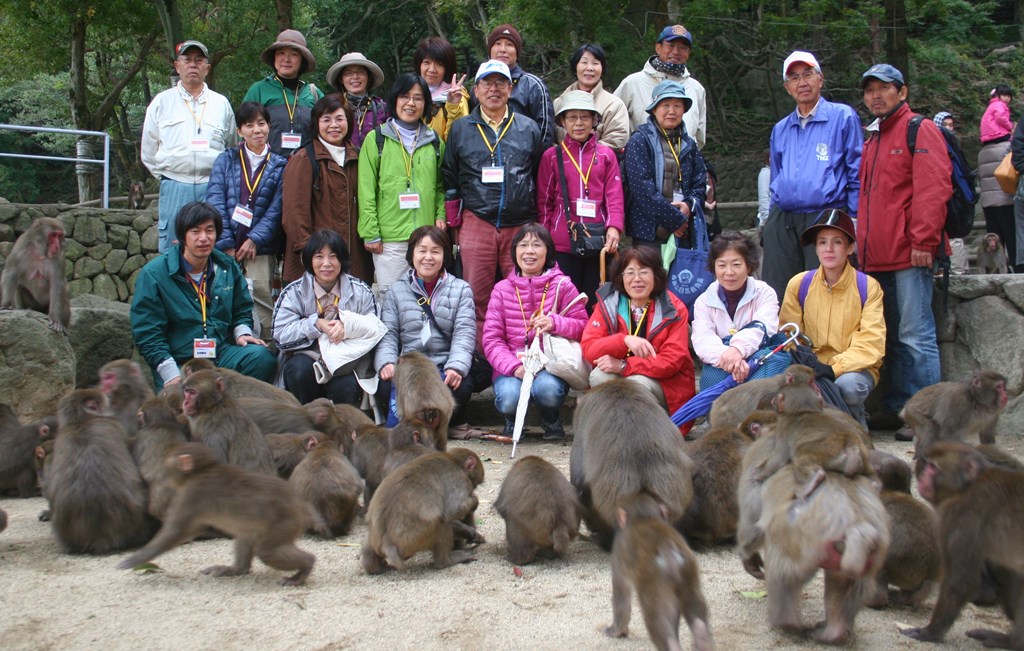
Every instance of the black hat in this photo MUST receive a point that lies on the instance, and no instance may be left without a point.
(834, 218)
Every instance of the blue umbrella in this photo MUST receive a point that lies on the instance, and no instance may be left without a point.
(700, 404)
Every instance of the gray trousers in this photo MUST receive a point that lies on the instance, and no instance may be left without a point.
(783, 255)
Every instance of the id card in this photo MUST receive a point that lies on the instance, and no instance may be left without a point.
(204, 348)
(290, 140)
(242, 215)
(492, 175)
(199, 144)
(586, 208)
(408, 200)
(678, 196)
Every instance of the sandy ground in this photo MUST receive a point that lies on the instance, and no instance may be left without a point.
(55, 601)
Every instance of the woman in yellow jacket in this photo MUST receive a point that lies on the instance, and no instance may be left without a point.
(435, 61)
(840, 309)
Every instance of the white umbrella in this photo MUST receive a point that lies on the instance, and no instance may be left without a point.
(534, 360)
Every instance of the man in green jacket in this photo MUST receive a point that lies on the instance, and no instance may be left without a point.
(193, 302)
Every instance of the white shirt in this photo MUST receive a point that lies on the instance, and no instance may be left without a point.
(175, 123)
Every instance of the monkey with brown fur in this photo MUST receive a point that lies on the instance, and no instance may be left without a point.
(33, 276)
(289, 450)
(241, 386)
(714, 511)
(96, 494)
(137, 197)
(328, 482)
(974, 496)
(420, 506)
(369, 450)
(18, 470)
(421, 393)
(956, 411)
(8, 418)
(409, 439)
(749, 535)
(652, 558)
(272, 417)
(262, 514)
(732, 407)
(625, 443)
(812, 441)
(992, 258)
(541, 511)
(349, 420)
(126, 388)
(216, 420)
(158, 436)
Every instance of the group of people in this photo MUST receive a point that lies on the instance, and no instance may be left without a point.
(500, 182)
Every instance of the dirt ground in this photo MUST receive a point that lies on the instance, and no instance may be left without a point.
(54, 601)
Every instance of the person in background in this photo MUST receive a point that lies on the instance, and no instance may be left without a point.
(525, 305)
(996, 204)
(593, 186)
(588, 65)
(737, 313)
(288, 99)
(186, 128)
(434, 60)
(840, 309)
(996, 123)
(355, 76)
(530, 95)
(638, 331)
(764, 192)
(400, 186)
(958, 262)
(246, 189)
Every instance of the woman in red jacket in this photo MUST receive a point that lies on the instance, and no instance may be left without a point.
(639, 331)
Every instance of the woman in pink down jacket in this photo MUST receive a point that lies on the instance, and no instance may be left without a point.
(523, 306)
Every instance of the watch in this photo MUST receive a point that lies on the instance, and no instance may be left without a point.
(623, 367)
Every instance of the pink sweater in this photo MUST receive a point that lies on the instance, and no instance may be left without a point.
(996, 122)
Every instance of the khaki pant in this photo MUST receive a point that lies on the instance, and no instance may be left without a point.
(390, 266)
(260, 271)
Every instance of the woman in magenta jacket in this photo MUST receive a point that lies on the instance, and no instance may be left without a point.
(523, 306)
(593, 183)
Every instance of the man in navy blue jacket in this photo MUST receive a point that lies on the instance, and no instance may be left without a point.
(815, 162)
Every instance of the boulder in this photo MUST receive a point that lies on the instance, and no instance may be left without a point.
(992, 328)
(100, 332)
(1014, 290)
(968, 287)
(1011, 422)
(38, 364)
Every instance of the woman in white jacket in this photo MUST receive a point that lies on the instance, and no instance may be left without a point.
(732, 319)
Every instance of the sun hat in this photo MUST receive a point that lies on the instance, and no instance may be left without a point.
(669, 90)
(354, 59)
(290, 38)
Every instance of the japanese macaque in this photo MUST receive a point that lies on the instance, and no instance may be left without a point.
(421, 393)
(158, 435)
(717, 457)
(241, 386)
(992, 258)
(33, 276)
(957, 411)
(329, 483)
(137, 197)
(732, 407)
(125, 386)
(541, 511)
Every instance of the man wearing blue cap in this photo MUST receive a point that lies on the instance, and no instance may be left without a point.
(668, 64)
(902, 211)
(815, 161)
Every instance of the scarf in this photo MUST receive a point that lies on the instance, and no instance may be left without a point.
(673, 69)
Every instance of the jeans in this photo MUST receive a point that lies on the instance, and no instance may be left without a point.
(173, 197)
(547, 391)
(911, 349)
(855, 387)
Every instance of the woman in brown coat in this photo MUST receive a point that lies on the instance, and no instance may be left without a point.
(327, 202)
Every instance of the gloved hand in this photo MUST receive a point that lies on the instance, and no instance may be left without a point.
(823, 371)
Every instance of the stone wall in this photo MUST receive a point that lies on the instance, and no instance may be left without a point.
(105, 247)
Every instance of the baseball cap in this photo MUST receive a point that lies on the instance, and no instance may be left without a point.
(672, 32)
(799, 56)
(182, 47)
(834, 218)
(491, 67)
(882, 72)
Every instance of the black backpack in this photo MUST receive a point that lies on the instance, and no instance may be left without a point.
(960, 207)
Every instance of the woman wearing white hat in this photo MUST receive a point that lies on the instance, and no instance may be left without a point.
(355, 75)
(288, 99)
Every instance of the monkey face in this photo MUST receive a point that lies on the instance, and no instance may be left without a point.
(54, 243)
(188, 405)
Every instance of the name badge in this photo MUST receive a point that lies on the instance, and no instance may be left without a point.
(586, 208)
(492, 175)
(199, 144)
(242, 215)
(291, 140)
(409, 200)
(204, 348)
(678, 196)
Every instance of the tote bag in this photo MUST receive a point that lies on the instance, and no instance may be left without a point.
(688, 275)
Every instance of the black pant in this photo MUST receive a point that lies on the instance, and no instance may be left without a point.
(585, 273)
(300, 380)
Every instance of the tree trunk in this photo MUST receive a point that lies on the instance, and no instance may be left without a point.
(284, 14)
(170, 20)
(80, 113)
(896, 48)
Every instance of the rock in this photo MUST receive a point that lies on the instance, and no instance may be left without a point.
(104, 287)
(25, 219)
(52, 211)
(134, 243)
(6, 233)
(1014, 290)
(143, 221)
(132, 264)
(150, 239)
(992, 328)
(100, 251)
(5, 248)
(1011, 421)
(956, 361)
(123, 217)
(118, 235)
(79, 287)
(131, 280)
(115, 261)
(945, 322)
(37, 371)
(73, 251)
(100, 332)
(122, 289)
(90, 230)
(8, 211)
(968, 287)
(87, 268)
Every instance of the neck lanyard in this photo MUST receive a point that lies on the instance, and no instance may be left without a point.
(406, 156)
(640, 322)
(584, 177)
(320, 306)
(295, 101)
(679, 171)
(251, 185)
(362, 115)
(199, 119)
(498, 141)
(201, 292)
(537, 312)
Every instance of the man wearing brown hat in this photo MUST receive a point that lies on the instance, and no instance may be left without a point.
(529, 94)
(288, 100)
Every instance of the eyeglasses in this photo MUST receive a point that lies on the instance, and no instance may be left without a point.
(327, 120)
(196, 60)
(573, 119)
(806, 75)
(637, 273)
(493, 83)
(415, 99)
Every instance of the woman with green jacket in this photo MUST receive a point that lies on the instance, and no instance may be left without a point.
(399, 180)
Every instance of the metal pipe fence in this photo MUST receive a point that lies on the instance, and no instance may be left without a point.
(105, 197)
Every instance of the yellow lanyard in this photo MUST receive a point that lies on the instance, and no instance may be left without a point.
(496, 142)
(320, 306)
(291, 108)
(407, 157)
(201, 292)
(245, 174)
(672, 149)
(584, 177)
(537, 312)
(199, 119)
(640, 322)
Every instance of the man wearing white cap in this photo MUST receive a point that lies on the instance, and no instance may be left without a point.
(186, 128)
(489, 167)
(672, 52)
(815, 161)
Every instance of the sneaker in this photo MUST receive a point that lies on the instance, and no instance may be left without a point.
(509, 427)
(554, 432)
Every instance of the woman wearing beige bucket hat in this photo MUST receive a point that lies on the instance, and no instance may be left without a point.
(288, 99)
(355, 75)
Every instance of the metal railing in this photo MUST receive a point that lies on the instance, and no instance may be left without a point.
(78, 161)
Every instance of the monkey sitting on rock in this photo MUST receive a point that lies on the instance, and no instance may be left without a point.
(992, 258)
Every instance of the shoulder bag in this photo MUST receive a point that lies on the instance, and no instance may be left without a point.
(565, 356)
(586, 240)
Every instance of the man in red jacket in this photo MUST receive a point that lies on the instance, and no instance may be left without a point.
(901, 211)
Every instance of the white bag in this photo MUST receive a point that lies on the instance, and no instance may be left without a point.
(565, 356)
